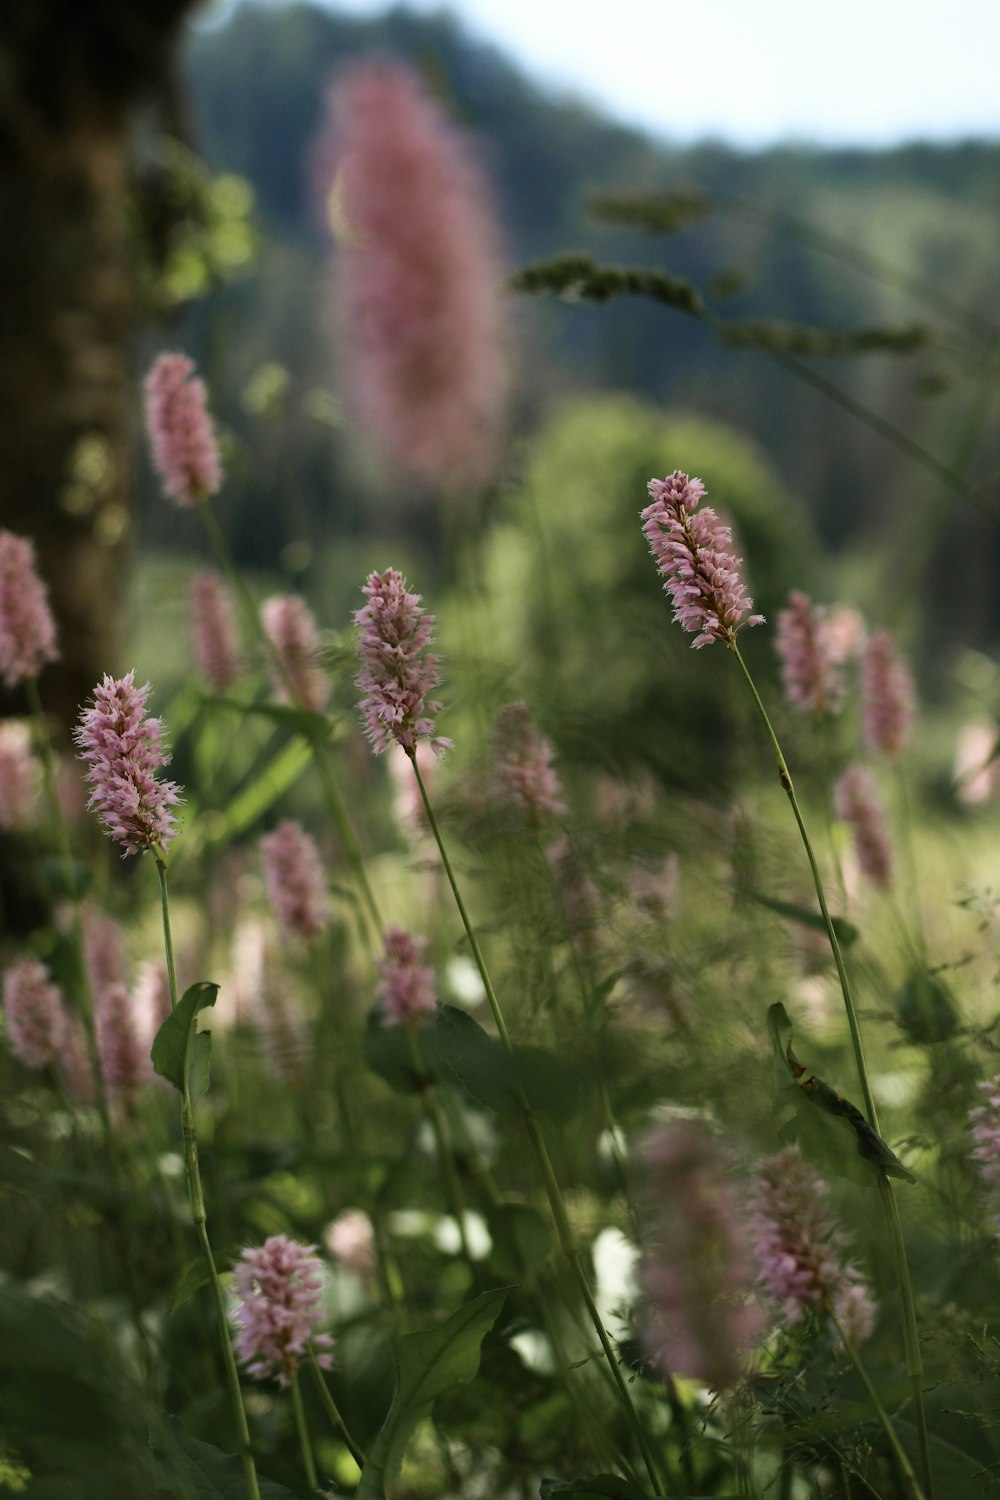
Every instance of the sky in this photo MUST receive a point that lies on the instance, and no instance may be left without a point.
(858, 72)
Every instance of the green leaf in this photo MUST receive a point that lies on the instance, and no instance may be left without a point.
(427, 1365)
(926, 1008)
(193, 1470)
(310, 726)
(388, 1052)
(846, 931)
(181, 1052)
(253, 801)
(484, 1066)
(66, 880)
(521, 1237)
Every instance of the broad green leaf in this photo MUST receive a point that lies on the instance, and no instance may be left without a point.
(846, 931)
(180, 1052)
(427, 1365)
(484, 1066)
(253, 801)
(926, 1008)
(66, 879)
(193, 1470)
(521, 1237)
(389, 1053)
(310, 726)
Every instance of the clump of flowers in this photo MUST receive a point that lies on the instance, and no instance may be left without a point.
(802, 1255)
(34, 1014)
(215, 640)
(27, 630)
(124, 1059)
(19, 776)
(812, 658)
(185, 451)
(398, 672)
(122, 752)
(292, 631)
(694, 555)
(350, 1239)
(985, 1122)
(419, 278)
(888, 698)
(406, 984)
(856, 801)
(694, 1272)
(294, 876)
(279, 1308)
(524, 778)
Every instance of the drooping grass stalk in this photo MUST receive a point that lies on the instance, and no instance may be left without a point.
(196, 1200)
(911, 1339)
(553, 1191)
(308, 1462)
(333, 1412)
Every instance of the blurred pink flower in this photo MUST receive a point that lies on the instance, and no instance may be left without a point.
(856, 801)
(277, 1316)
(985, 1122)
(802, 1255)
(888, 701)
(397, 670)
(406, 987)
(350, 1239)
(524, 779)
(122, 750)
(123, 1053)
(811, 659)
(694, 1271)
(103, 947)
(20, 774)
(27, 630)
(215, 640)
(655, 888)
(184, 447)
(295, 885)
(292, 630)
(150, 999)
(418, 278)
(694, 555)
(33, 1011)
(976, 771)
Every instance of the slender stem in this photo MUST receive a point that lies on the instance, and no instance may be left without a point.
(446, 1157)
(910, 1481)
(333, 1412)
(553, 1191)
(308, 1461)
(911, 1335)
(196, 1198)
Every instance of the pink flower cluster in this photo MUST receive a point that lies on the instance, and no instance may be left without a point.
(33, 1011)
(19, 775)
(122, 1049)
(419, 278)
(695, 1273)
(524, 779)
(292, 631)
(857, 803)
(888, 698)
(693, 553)
(27, 630)
(280, 1288)
(801, 1254)
(985, 1122)
(350, 1239)
(184, 448)
(295, 885)
(122, 751)
(406, 987)
(216, 645)
(811, 654)
(397, 670)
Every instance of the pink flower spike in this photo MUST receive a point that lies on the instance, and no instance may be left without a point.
(811, 657)
(887, 696)
(856, 802)
(125, 1062)
(397, 670)
(216, 646)
(184, 447)
(20, 774)
(33, 1011)
(292, 631)
(406, 990)
(524, 779)
(27, 630)
(985, 1122)
(295, 884)
(418, 278)
(350, 1239)
(122, 750)
(693, 553)
(279, 1308)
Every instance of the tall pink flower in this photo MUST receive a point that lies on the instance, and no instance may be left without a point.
(184, 447)
(887, 695)
(397, 670)
(856, 801)
(418, 278)
(811, 659)
(19, 775)
(292, 630)
(215, 640)
(295, 884)
(27, 630)
(123, 1052)
(103, 948)
(524, 778)
(802, 1255)
(694, 555)
(694, 1271)
(33, 1011)
(122, 751)
(985, 1122)
(406, 986)
(277, 1316)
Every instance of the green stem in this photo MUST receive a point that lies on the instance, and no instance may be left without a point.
(910, 1482)
(196, 1199)
(300, 1426)
(333, 1412)
(446, 1157)
(553, 1191)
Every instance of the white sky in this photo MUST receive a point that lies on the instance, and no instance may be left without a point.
(756, 71)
